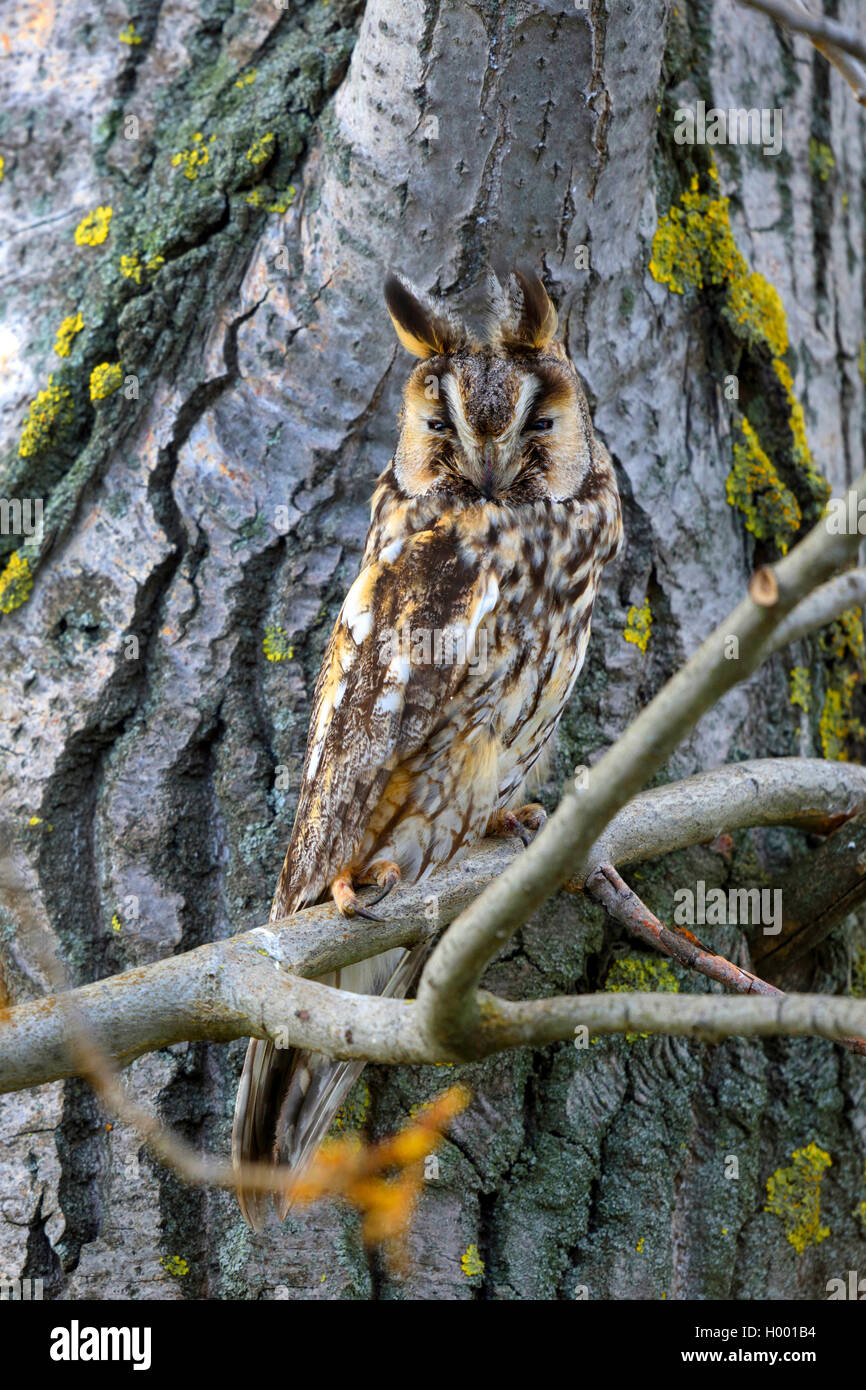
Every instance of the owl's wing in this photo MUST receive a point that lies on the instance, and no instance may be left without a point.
(374, 705)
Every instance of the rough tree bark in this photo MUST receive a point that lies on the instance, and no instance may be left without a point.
(214, 509)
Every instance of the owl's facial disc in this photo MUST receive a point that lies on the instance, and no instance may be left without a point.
(483, 426)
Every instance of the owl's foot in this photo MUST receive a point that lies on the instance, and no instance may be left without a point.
(347, 901)
(387, 874)
(525, 823)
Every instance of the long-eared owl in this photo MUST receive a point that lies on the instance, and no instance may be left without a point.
(452, 658)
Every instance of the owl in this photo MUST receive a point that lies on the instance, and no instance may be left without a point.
(451, 661)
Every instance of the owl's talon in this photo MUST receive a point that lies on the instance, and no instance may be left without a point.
(522, 833)
(366, 913)
(387, 874)
(533, 817)
(347, 901)
(525, 823)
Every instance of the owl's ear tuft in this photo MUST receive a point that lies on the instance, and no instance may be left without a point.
(521, 316)
(424, 327)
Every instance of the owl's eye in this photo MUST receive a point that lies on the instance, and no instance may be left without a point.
(437, 426)
(540, 426)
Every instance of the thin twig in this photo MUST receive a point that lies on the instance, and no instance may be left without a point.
(607, 887)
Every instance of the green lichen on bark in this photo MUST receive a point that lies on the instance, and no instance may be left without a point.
(694, 251)
(145, 264)
(641, 975)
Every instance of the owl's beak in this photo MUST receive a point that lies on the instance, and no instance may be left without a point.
(488, 458)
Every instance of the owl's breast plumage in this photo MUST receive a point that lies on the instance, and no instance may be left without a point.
(544, 562)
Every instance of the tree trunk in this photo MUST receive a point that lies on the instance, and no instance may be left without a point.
(203, 521)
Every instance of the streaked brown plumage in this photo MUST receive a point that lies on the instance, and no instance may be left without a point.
(452, 658)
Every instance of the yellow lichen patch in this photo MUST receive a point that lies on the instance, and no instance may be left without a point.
(640, 975)
(859, 1212)
(283, 201)
(247, 79)
(93, 229)
(837, 722)
(130, 268)
(843, 646)
(175, 1265)
(694, 247)
(844, 639)
(471, 1262)
(2, 167)
(66, 332)
(275, 645)
(755, 308)
(16, 582)
(794, 1195)
(815, 481)
(256, 198)
(195, 158)
(116, 924)
(771, 510)
(49, 412)
(801, 688)
(354, 1110)
(639, 625)
(105, 380)
(822, 161)
(130, 34)
(261, 150)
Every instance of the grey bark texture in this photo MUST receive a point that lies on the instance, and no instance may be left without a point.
(215, 507)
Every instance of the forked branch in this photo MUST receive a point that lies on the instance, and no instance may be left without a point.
(447, 990)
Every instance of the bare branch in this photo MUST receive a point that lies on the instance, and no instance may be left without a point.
(447, 989)
(820, 29)
(388, 1030)
(819, 609)
(254, 985)
(842, 47)
(807, 793)
(705, 1017)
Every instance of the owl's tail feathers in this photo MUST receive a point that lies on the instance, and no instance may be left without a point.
(287, 1099)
